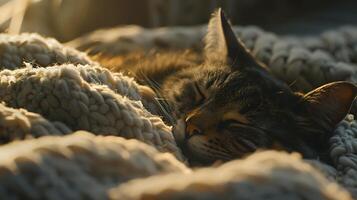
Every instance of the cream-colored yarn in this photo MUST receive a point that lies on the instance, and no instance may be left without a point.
(264, 175)
(78, 166)
(119, 83)
(17, 49)
(19, 124)
(60, 93)
(124, 85)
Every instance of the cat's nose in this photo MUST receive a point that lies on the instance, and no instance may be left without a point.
(192, 129)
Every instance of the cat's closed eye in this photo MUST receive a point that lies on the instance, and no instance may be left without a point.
(230, 123)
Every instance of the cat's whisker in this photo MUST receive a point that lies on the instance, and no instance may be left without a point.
(240, 148)
(217, 148)
(165, 112)
(293, 83)
(212, 152)
(216, 154)
(164, 101)
(250, 145)
(161, 102)
(153, 84)
(161, 99)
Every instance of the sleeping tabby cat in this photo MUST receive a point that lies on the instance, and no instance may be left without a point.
(228, 105)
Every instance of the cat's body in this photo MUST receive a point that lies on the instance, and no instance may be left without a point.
(225, 104)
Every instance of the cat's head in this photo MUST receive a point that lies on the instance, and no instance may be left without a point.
(233, 106)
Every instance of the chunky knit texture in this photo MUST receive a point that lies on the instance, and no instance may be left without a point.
(343, 151)
(262, 176)
(17, 49)
(60, 93)
(88, 97)
(19, 124)
(78, 166)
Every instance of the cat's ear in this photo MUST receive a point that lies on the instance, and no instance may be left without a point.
(222, 44)
(330, 103)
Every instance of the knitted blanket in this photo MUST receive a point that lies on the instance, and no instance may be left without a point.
(19, 124)
(84, 97)
(66, 97)
(78, 166)
(60, 93)
(264, 175)
(37, 50)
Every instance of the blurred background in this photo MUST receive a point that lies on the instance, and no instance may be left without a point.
(69, 19)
